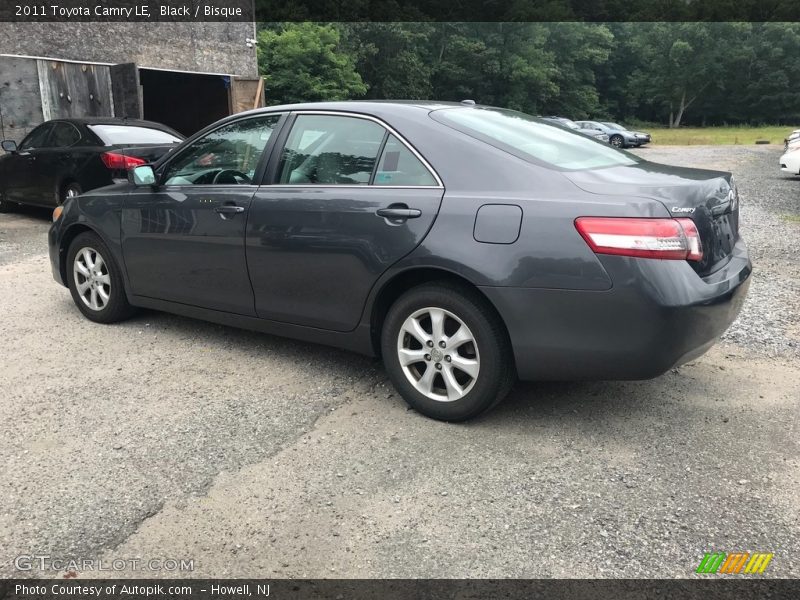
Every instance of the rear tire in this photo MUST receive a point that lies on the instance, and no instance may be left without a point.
(447, 352)
(95, 280)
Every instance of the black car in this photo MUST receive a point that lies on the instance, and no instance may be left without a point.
(65, 157)
(466, 245)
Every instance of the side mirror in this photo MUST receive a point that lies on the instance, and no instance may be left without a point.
(142, 175)
(9, 146)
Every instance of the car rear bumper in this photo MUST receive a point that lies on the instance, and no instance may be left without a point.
(659, 314)
(789, 163)
(53, 245)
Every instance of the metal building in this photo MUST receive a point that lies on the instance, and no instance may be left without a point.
(185, 75)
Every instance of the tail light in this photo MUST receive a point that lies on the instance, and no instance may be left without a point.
(675, 239)
(116, 161)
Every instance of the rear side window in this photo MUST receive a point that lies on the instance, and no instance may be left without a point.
(64, 135)
(534, 139)
(330, 150)
(111, 135)
(399, 166)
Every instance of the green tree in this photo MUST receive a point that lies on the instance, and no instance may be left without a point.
(394, 58)
(698, 72)
(767, 80)
(304, 62)
(682, 62)
(579, 50)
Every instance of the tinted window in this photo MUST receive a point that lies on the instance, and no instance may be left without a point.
(131, 134)
(329, 150)
(64, 135)
(531, 138)
(36, 138)
(615, 126)
(228, 155)
(399, 166)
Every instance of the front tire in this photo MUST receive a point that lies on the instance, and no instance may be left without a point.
(447, 351)
(617, 141)
(95, 280)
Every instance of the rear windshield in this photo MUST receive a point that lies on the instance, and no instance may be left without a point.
(534, 139)
(132, 134)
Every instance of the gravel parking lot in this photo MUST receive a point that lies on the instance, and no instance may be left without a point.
(164, 437)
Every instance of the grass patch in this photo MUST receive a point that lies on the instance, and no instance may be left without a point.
(791, 218)
(714, 136)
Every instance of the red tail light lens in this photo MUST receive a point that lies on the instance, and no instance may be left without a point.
(674, 239)
(113, 160)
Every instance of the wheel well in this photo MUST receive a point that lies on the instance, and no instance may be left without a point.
(69, 235)
(62, 185)
(403, 282)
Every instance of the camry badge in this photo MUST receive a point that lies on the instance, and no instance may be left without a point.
(682, 209)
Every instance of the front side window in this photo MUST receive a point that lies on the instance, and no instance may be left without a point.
(64, 135)
(226, 156)
(36, 138)
(330, 150)
(534, 139)
(399, 166)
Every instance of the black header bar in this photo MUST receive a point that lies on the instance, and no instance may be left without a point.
(742, 588)
(399, 10)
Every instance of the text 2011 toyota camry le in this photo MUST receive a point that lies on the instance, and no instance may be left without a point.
(466, 245)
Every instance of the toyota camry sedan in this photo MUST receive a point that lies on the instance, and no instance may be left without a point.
(467, 246)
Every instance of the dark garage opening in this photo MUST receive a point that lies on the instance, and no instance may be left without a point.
(187, 102)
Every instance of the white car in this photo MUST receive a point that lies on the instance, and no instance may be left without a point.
(795, 135)
(790, 161)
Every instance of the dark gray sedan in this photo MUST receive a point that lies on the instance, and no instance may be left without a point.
(466, 245)
(618, 136)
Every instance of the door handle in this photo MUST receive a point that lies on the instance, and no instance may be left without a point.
(398, 212)
(229, 209)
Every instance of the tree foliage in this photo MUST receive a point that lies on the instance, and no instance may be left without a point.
(674, 73)
(302, 62)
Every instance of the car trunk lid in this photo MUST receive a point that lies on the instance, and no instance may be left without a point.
(709, 198)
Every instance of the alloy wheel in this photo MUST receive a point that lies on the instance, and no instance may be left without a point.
(438, 354)
(92, 279)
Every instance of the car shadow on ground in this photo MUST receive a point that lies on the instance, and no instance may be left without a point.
(37, 213)
(535, 403)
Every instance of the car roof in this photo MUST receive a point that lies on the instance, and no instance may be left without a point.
(118, 121)
(376, 107)
(112, 121)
